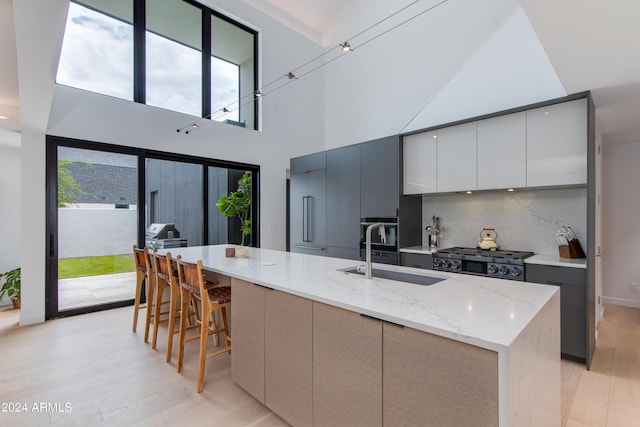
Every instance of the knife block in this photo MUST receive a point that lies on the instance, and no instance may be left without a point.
(572, 250)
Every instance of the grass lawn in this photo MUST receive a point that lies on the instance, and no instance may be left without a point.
(95, 265)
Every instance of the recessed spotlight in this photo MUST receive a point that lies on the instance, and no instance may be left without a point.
(435, 136)
(469, 192)
(511, 189)
(4, 118)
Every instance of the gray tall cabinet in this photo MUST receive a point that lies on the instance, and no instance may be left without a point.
(343, 207)
(358, 181)
(308, 204)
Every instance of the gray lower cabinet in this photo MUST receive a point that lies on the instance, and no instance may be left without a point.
(416, 260)
(573, 305)
(247, 318)
(347, 363)
(380, 178)
(437, 381)
(343, 204)
(288, 357)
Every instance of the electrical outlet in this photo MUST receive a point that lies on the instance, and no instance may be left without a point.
(633, 286)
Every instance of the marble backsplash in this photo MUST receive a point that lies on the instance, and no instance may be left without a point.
(524, 220)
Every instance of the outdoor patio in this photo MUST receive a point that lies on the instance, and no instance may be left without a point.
(93, 290)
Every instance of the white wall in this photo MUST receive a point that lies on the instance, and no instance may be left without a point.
(457, 61)
(96, 232)
(10, 208)
(292, 125)
(620, 230)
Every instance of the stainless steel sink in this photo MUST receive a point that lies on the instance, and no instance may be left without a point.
(399, 276)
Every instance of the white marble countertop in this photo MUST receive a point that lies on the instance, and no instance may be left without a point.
(557, 261)
(485, 312)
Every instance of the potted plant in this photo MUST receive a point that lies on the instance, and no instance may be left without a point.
(238, 204)
(11, 286)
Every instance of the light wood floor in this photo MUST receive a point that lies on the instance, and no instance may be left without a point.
(609, 394)
(109, 376)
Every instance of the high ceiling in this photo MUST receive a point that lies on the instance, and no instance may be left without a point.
(591, 45)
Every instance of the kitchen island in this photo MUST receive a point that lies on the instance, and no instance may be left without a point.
(465, 348)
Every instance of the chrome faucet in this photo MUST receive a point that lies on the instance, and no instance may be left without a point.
(383, 238)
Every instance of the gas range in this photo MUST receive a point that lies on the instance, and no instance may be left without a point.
(480, 262)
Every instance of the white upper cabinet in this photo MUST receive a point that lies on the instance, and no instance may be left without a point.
(541, 147)
(457, 158)
(557, 144)
(502, 152)
(420, 163)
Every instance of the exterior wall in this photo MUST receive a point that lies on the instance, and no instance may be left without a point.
(96, 232)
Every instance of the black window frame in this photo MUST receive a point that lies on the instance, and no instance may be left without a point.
(51, 227)
(139, 54)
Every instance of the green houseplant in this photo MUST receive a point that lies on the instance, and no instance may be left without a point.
(11, 286)
(238, 204)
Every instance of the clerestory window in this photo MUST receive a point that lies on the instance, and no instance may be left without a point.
(173, 54)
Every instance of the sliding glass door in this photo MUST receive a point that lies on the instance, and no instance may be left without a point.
(97, 210)
(103, 199)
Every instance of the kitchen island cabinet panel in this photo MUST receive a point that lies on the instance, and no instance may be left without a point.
(557, 144)
(288, 357)
(347, 363)
(457, 158)
(247, 318)
(437, 380)
(502, 152)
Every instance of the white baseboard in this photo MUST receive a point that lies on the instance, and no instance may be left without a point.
(621, 301)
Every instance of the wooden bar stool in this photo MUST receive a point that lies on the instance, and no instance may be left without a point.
(143, 273)
(162, 273)
(211, 299)
(167, 274)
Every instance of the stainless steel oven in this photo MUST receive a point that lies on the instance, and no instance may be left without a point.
(384, 240)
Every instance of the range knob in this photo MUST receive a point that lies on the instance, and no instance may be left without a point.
(504, 270)
(455, 265)
(437, 262)
(446, 263)
(516, 271)
(493, 269)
